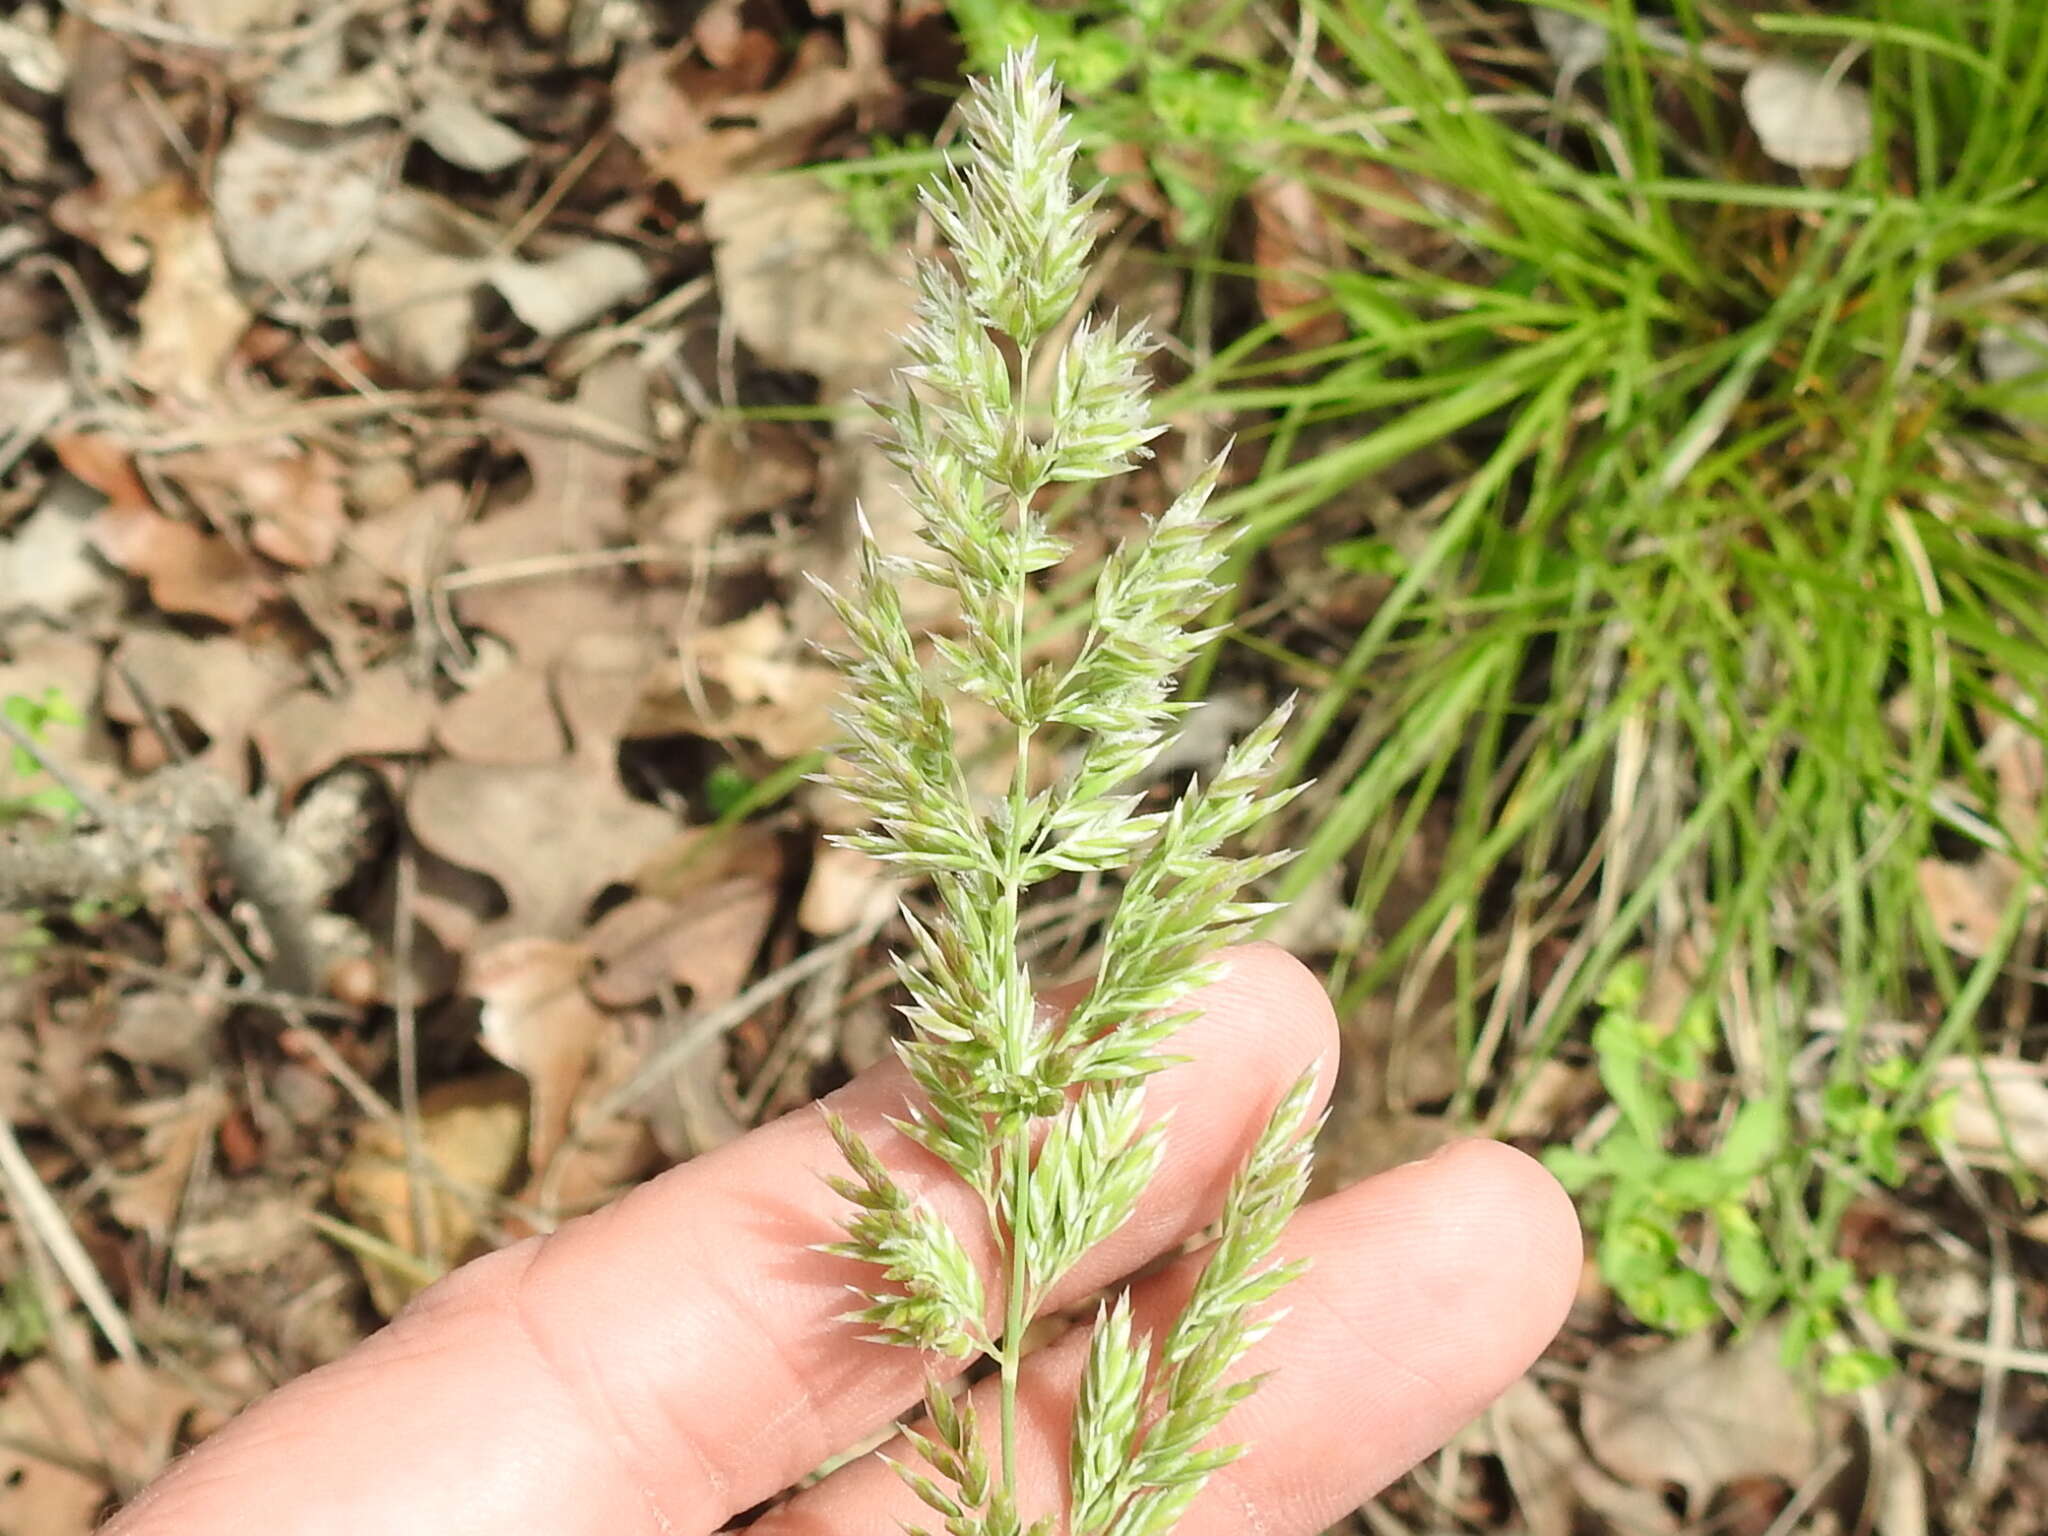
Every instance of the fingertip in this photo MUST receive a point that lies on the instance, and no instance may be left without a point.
(1267, 994)
(1511, 1220)
(1485, 1244)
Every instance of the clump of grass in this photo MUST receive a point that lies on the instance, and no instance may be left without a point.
(1041, 1116)
(1729, 561)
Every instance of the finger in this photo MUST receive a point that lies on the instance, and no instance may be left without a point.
(1431, 1289)
(675, 1359)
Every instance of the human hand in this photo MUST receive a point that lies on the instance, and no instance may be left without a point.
(672, 1361)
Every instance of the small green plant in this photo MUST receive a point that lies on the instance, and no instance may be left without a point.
(35, 716)
(1668, 1225)
(23, 944)
(24, 1327)
(1041, 1116)
(1640, 1195)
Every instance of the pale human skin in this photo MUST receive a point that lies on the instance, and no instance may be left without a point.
(672, 1361)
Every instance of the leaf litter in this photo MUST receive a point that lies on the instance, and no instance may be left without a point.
(385, 442)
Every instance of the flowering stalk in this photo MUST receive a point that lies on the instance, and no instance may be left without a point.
(1042, 1116)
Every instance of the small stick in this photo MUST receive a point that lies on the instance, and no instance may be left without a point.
(425, 1233)
(39, 1212)
(706, 1027)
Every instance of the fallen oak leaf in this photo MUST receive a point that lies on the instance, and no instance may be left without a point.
(552, 835)
(537, 1020)
(383, 713)
(1997, 1110)
(1554, 1479)
(1699, 1414)
(508, 717)
(701, 128)
(189, 318)
(174, 1132)
(472, 1135)
(1295, 245)
(187, 571)
(218, 684)
(800, 283)
(294, 199)
(706, 941)
(124, 1436)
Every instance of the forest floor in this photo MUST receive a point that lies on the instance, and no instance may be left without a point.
(418, 421)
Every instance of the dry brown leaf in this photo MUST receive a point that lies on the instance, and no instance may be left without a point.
(2018, 759)
(1294, 244)
(118, 135)
(553, 835)
(174, 1132)
(577, 502)
(537, 1020)
(188, 571)
(35, 376)
(1576, 43)
(846, 888)
(472, 1136)
(1699, 1414)
(1805, 119)
(290, 496)
(730, 474)
(160, 1028)
(2007, 1099)
(414, 305)
(294, 199)
(219, 684)
(508, 718)
(451, 124)
(104, 463)
(48, 564)
(1968, 901)
(249, 1237)
(701, 128)
(190, 318)
(1552, 1477)
(414, 284)
(802, 286)
(600, 1162)
(566, 291)
(384, 713)
(398, 542)
(130, 1423)
(305, 88)
(450, 907)
(697, 856)
(296, 508)
(760, 682)
(31, 57)
(233, 18)
(706, 941)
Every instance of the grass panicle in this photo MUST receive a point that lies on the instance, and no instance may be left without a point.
(1044, 1118)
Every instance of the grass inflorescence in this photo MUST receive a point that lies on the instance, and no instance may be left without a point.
(1042, 1115)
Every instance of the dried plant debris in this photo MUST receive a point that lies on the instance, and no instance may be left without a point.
(1805, 118)
(417, 422)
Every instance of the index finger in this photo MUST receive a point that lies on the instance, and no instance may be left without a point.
(676, 1358)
